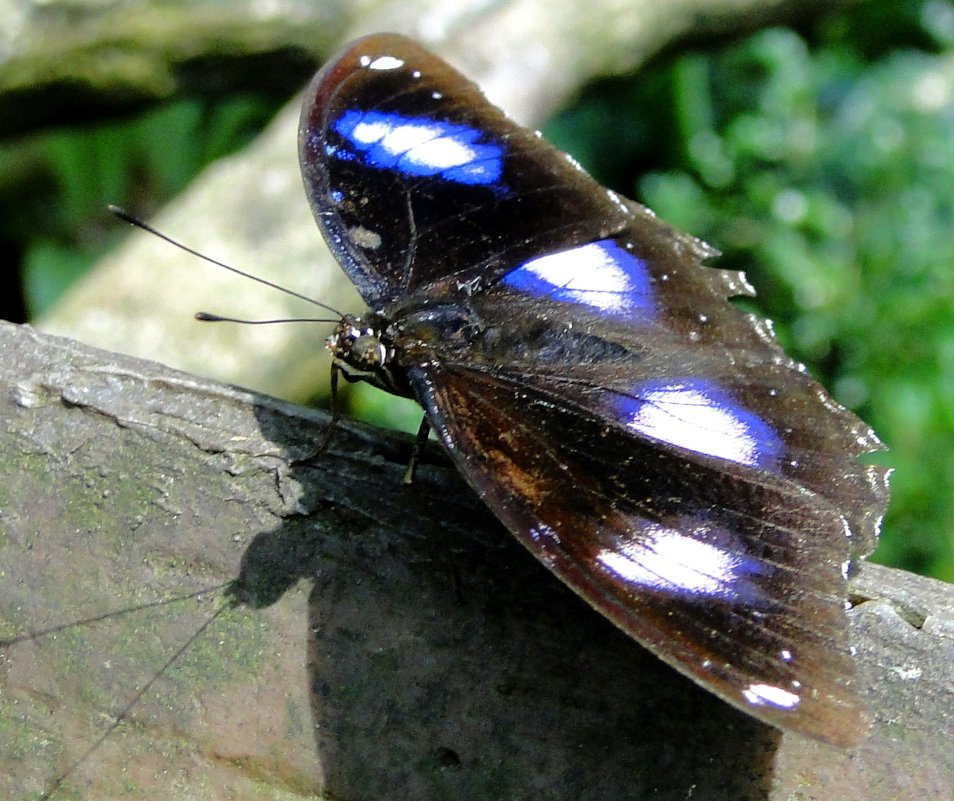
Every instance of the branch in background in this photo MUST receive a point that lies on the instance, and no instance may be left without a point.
(79, 60)
(529, 55)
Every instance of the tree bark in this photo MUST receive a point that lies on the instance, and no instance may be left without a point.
(387, 641)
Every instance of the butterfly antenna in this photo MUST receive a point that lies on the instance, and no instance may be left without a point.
(123, 715)
(135, 221)
(35, 635)
(208, 317)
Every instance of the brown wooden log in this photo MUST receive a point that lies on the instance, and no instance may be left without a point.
(391, 642)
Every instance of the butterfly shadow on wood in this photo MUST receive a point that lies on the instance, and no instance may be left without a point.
(445, 663)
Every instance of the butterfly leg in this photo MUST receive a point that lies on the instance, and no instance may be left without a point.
(335, 411)
(419, 442)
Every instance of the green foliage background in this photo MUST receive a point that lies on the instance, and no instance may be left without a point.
(820, 161)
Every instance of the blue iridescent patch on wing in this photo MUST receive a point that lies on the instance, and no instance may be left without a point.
(700, 416)
(693, 558)
(418, 147)
(602, 275)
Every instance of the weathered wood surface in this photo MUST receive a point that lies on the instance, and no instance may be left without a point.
(401, 645)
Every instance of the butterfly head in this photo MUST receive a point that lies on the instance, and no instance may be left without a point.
(363, 350)
(358, 345)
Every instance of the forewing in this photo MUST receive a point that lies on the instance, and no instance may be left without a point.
(421, 186)
(734, 581)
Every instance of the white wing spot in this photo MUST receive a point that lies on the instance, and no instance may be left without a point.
(769, 695)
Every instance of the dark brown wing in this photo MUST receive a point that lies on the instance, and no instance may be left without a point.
(734, 578)
(657, 450)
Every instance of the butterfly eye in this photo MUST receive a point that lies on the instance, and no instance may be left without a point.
(367, 352)
(358, 346)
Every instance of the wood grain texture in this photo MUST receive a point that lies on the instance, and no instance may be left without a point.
(394, 642)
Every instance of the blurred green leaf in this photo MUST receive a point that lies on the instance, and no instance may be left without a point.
(63, 180)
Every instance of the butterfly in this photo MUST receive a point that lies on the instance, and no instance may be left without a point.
(650, 443)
